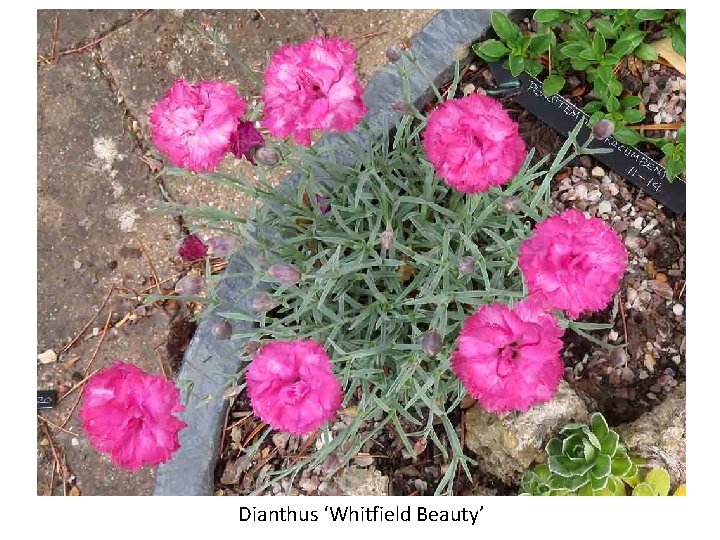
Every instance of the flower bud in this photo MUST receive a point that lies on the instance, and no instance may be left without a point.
(222, 330)
(466, 265)
(387, 239)
(509, 205)
(285, 273)
(266, 155)
(431, 343)
(603, 129)
(393, 53)
(222, 246)
(190, 285)
(262, 303)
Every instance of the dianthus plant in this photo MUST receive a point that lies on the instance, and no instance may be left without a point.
(387, 253)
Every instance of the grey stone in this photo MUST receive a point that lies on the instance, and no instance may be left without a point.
(659, 435)
(506, 446)
(363, 482)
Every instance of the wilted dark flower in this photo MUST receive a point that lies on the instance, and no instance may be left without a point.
(431, 343)
(509, 205)
(222, 246)
(285, 273)
(466, 265)
(324, 206)
(266, 155)
(192, 248)
(603, 129)
(190, 285)
(245, 140)
(387, 239)
(222, 330)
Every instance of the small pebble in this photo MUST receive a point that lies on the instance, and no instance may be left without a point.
(678, 309)
(638, 223)
(598, 172)
(77, 265)
(604, 207)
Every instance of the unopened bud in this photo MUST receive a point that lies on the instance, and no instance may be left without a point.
(190, 285)
(267, 155)
(509, 205)
(324, 206)
(466, 265)
(262, 303)
(222, 246)
(222, 330)
(603, 129)
(431, 343)
(285, 273)
(393, 53)
(387, 239)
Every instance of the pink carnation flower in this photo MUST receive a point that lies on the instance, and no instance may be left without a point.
(573, 263)
(473, 143)
(312, 86)
(509, 359)
(292, 387)
(128, 414)
(194, 124)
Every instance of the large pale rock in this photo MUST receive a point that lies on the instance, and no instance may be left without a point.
(659, 435)
(363, 482)
(507, 446)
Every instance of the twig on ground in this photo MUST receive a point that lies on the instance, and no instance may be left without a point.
(70, 412)
(239, 422)
(254, 432)
(657, 127)
(622, 315)
(54, 425)
(56, 462)
(311, 439)
(102, 340)
(78, 385)
(54, 40)
(81, 332)
(157, 356)
(261, 15)
(152, 267)
(368, 35)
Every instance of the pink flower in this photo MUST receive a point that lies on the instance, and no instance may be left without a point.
(292, 387)
(573, 263)
(245, 140)
(312, 86)
(509, 359)
(192, 248)
(473, 143)
(128, 414)
(194, 124)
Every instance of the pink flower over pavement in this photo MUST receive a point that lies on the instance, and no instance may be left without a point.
(194, 124)
(129, 414)
(312, 86)
(473, 143)
(573, 263)
(292, 386)
(509, 359)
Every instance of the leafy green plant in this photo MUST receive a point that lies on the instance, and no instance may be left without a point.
(675, 154)
(588, 459)
(380, 266)
(593, 43)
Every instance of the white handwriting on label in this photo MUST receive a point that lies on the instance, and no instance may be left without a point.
(570, 110)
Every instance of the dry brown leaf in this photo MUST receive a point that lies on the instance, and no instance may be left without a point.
(665, 50)
(74, 491)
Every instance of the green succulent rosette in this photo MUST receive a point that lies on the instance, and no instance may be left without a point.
(588, 459)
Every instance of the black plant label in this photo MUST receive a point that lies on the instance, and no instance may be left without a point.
(46, 399)
(635, 166)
